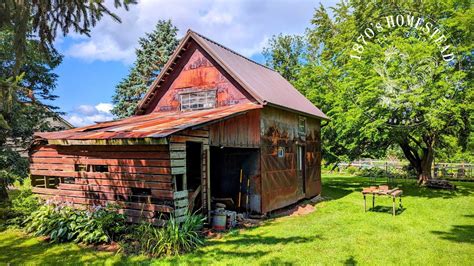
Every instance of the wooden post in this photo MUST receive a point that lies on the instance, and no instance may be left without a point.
(373, 201)
(393, 205)
(208, 179)
(365, 204)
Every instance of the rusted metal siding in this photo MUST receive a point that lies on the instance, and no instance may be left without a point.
(313, 157)
(242, 131)
(199, 74)
(138, 178)
(280, 183)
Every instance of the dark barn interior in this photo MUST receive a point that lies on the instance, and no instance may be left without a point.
(226, 166)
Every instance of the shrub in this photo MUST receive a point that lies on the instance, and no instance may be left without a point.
(62, 223)
(22, 206)
(103, 224)
(373, 172)
(171, 239)
(352, 170)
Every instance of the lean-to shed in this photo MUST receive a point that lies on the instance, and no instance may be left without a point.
(211, 117)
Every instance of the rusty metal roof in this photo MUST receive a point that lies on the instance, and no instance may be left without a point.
(264, 84)
(154, 125)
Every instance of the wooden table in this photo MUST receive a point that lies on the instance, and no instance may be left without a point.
(383, 191)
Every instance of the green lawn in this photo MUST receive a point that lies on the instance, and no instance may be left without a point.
(435, 228)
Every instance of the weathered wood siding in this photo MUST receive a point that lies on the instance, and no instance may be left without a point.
(178, 153)
(137, 178)
(280, 183)
(199, 74)
(242, 131)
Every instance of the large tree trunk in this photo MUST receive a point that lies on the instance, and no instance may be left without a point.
(3, 191)
(425, 165)
(421, 163)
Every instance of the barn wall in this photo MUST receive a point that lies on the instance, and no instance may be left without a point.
(199, 74)
(280, 183)
(242, 131)
(137, 177)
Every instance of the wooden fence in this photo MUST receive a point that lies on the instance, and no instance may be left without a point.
(455, 171)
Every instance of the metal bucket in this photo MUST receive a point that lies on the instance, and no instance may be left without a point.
(219, 221)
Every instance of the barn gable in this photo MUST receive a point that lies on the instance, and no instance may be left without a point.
(199, 74)
(199, 60)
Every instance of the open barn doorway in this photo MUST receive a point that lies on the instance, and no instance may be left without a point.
(235, 179)
(194, 174)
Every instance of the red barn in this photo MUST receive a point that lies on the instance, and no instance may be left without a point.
(211, 117)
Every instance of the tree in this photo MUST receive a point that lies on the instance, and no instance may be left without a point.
(22, 109)
(284, 53)
(153, 53)
(46, 18)
(27, 32)
(399, 89)
(391, 84)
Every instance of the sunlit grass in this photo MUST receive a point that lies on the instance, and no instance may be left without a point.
(435, 228)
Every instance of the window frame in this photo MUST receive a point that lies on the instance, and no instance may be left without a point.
(205, 99)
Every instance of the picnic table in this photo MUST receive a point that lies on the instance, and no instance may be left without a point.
(383, 191)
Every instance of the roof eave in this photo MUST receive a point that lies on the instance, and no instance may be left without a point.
(299, 112)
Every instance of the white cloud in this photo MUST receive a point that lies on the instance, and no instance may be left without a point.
(84, 115)
(243, 25)
(104, 107)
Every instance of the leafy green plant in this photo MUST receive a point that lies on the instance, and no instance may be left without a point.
(63, 223)
(352, 170)
(173, 238)
(22, 206)
(103, 224)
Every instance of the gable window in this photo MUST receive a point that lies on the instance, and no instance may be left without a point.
(198, 100)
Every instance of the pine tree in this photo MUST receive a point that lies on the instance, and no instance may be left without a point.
(153, 53)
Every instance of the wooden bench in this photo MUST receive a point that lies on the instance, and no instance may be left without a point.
(383, 191)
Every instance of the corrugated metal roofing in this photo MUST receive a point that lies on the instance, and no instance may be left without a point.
(154, 125)
(263, 83)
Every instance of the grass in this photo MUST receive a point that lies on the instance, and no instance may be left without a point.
(435, 228)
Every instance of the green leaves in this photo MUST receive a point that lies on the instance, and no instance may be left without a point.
(64, 223)
(171, 239)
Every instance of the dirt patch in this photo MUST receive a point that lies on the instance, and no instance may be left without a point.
(301, 208)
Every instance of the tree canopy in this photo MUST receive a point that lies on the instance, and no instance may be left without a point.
(152, 54)
(392, 74)
(27, 57)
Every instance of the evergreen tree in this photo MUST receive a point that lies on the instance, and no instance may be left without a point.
(153, 53)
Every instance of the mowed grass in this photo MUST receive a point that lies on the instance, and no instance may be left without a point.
(436, 227)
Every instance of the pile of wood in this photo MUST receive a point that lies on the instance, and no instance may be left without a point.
(440, 183)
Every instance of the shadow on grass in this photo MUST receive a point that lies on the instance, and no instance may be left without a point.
(212, 252)
(387, 209)
(458, 233)
(350, 261)
(23, 249)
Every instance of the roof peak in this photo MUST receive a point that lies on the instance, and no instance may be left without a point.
(230, 50)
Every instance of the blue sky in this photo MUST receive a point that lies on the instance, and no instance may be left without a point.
(92, 66)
